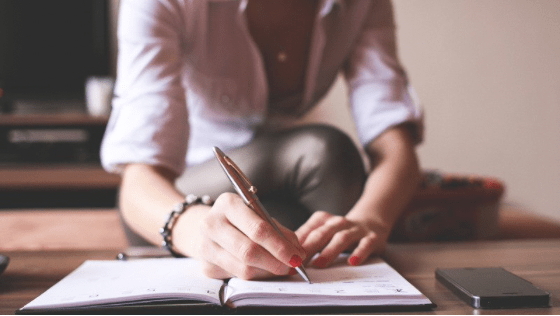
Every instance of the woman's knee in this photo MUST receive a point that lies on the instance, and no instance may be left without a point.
(329, 172)
(329, 148)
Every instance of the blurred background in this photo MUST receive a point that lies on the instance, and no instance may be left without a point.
(487, 73)
(488, 76)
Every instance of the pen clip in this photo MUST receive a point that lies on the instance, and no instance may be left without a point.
(240, 182)
(248, 185)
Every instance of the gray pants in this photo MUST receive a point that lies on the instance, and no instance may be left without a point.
(296, 173)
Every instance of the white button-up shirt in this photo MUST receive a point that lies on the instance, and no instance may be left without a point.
(190, 77)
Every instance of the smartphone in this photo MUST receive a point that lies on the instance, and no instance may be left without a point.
(492, 288)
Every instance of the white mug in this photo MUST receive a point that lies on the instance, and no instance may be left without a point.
(99, 93)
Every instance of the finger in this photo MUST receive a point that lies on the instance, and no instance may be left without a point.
(220, 231)
(341, 241)
(368, 245)
(263, 233)
(316, 220)
(215, 272)
(212, 263)
(220, 264)
(290, 235)
(250, 253)
(320, 237)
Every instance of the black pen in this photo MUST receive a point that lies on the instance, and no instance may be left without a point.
(247, 191)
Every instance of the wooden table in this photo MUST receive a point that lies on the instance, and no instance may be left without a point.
(537, 261)
(31, 273)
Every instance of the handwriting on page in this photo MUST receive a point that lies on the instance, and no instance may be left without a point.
(376, 277)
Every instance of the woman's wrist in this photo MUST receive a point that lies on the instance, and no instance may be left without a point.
(187, 236)
(167, 230)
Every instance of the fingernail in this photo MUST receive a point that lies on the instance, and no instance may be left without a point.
(295, 261)
(320, 262)
(492, 184)
(292, 271)
(354, 260)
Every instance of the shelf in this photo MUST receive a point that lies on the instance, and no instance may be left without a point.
(64, 176)
(50, 171)
(51, 119)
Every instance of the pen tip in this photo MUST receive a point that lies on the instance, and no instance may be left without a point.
(217, 151)
(303, 274)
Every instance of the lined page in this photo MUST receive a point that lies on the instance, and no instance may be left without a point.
(100, 282)
(373, 283)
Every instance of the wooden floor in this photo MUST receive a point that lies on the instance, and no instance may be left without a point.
(100, 228)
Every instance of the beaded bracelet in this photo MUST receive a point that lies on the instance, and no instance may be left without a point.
(179, 209)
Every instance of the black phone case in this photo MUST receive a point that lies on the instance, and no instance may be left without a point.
(492, 288)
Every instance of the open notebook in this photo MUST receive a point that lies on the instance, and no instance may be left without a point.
(156, 283)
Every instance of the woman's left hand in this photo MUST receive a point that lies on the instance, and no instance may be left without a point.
(330, 235)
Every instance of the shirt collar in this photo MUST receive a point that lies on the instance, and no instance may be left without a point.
(243, 5)
(328, 5)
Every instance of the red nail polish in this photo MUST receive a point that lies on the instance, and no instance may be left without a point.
(492, 184)
(354, 260)
(320, 262)
(295, 261)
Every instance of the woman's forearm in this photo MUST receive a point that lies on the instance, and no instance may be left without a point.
(391, 183)
(147, 196)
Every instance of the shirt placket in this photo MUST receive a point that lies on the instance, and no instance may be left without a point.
(318, 41)
(259, 97)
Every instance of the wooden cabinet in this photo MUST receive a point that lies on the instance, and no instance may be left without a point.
(53, 161)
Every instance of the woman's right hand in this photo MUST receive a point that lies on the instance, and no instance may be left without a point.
(232, 240)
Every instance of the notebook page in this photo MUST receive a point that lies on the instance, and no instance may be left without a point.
(99, 282)
(373, 283)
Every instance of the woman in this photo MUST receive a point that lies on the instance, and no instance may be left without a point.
(238, 75)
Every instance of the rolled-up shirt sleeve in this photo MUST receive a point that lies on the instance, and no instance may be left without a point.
(149, 120)
(379, 94)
